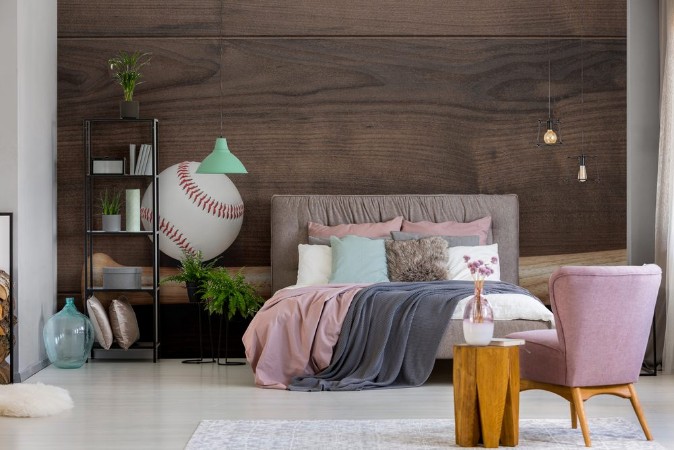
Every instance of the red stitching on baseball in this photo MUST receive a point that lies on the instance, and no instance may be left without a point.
(202, 199)
(168, 230)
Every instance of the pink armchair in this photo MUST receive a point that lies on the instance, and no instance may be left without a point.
(603, 317)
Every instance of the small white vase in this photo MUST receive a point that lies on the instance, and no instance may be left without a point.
(112, 222)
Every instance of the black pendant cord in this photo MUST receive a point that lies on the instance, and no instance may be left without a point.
(582, 81)
(226, 363)
(549, 65)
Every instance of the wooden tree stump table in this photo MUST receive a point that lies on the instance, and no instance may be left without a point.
(486, 395)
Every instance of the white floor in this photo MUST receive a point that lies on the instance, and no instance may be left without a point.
(141, 405)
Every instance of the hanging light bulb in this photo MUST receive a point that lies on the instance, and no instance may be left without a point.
(550, 137)
(582, 170)
(553, 127)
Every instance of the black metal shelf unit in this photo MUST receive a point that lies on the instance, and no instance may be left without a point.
(140, 350)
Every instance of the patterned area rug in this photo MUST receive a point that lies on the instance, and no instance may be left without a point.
(609, 433)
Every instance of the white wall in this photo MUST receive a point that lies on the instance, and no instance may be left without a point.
(643, 127)
(8, 117)
(643, 134)
(28, 165)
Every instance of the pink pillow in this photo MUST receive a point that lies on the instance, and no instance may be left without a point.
(479, 227)
(370, 230)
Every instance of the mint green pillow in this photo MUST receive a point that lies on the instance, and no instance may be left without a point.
(358, 259)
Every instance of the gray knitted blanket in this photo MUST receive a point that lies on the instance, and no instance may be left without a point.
(391, 334)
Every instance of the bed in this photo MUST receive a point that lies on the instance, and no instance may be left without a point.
(290, 215)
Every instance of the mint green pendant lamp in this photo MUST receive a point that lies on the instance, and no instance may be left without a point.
(221, 160)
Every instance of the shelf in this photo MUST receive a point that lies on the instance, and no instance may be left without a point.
(119, 233)
(139, 350)
(116, 120)
(94, 142)
(118, 175)
(148, 289)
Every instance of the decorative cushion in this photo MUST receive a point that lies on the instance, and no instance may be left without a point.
(315, 264)
(371, 230)
(99, 319)
(313, 240)
(358, 259)
(479, 227)
(452, 241)
(458, 269)
(417, 260)
(124, 322)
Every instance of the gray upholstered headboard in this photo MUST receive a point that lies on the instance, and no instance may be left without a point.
(291, 213)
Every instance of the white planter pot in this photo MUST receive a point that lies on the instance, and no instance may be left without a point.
(112, 223)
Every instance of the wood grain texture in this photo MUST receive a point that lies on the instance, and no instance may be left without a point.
(486, 386)
(342, 18)
(493, 376)
(510, 433)
(535, 271)
(466, 414)
(368, 116)
(348, 97)
(78, 18)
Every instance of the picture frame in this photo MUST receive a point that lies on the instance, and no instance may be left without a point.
(7, 314)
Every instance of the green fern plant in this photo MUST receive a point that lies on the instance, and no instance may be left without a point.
(231, 292)
(192, 269)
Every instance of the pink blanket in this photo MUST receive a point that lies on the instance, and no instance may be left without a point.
(295, 332)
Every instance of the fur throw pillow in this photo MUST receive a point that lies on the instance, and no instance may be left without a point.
(417, 260)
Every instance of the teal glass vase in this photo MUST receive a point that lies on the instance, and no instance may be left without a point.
(68, 337)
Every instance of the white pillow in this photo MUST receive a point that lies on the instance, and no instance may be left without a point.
(458, 269)
(315, 264)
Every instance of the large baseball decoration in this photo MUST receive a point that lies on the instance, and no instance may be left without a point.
(196, 211)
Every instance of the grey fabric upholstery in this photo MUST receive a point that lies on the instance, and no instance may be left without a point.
(291, 213)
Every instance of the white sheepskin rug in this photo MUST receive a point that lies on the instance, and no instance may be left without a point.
(33, 400)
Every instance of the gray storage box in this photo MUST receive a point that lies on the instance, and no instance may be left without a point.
(121, 277)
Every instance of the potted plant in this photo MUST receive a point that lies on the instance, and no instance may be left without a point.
(111, 204)
(223, 291)
(192, 271)
(126, 68)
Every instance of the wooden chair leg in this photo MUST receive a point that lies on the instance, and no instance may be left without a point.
(639, 412)
(574, 417)
(580, 410)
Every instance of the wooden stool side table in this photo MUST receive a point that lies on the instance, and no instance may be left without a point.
(486, 395)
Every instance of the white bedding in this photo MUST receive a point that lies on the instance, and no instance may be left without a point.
(505, 306)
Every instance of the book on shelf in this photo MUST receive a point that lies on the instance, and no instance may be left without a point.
(506, 342)
(132, 159)
(139, 159)
(148, 162)
(144, 157)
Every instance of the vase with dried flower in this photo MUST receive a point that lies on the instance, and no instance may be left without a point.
(478, 316)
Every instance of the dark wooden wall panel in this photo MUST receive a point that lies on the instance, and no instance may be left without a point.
(97, 18)
(100, 18)
(351, 97)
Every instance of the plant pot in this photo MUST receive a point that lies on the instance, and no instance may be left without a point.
(192, 294)
(112, 222)
(129, 110)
